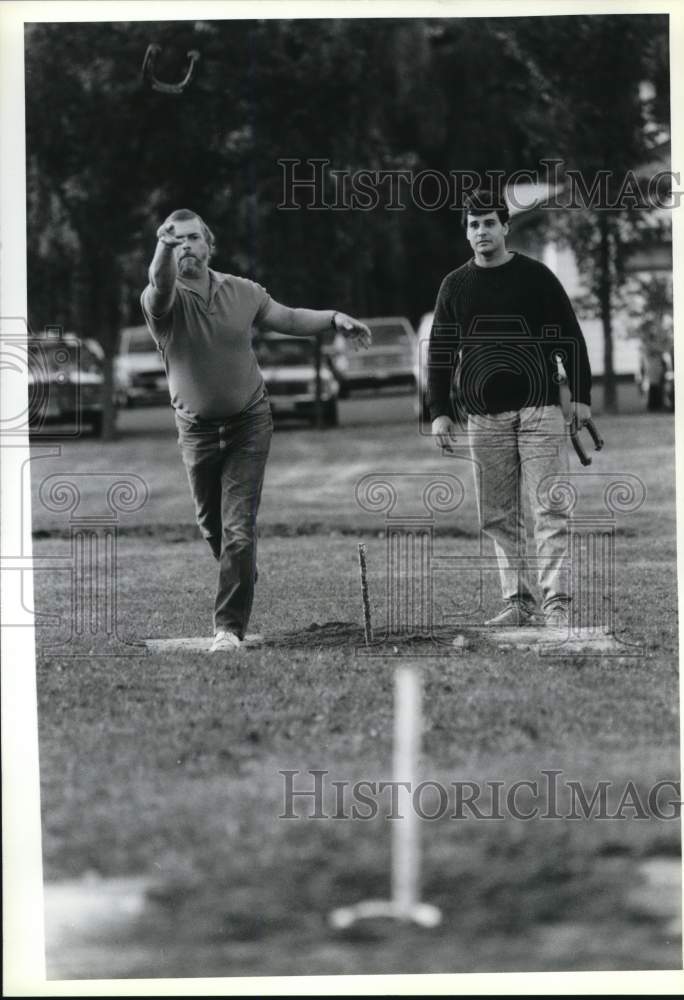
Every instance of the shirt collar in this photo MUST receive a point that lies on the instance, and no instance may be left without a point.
(216, 278)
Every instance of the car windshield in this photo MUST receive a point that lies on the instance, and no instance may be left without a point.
(388, 335)
(289, 351)
(141, 343)
(63, 356)
(88, 362)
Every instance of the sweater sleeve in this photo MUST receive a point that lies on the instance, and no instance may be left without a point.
(560, 313)
(445, 343)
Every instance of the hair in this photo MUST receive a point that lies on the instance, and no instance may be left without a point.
(483, 201)
(183, 214)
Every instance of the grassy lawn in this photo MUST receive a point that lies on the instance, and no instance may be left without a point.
(168, 766)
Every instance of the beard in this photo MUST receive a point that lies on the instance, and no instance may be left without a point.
(190, 267)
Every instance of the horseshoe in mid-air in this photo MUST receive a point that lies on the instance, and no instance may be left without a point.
(153, 51)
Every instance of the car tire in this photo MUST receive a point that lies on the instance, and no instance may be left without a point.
(331, 415)
(421, 410)
(654, 400)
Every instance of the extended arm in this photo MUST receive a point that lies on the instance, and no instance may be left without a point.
(309, 322)
(163, 272)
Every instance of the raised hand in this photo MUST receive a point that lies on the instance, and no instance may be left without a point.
(355, 332)
(166, 234)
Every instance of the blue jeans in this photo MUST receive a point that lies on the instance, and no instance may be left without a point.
(518, 452)
(225, 463)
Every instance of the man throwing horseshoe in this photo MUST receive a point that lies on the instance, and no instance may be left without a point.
(504, 317)
(202, 321)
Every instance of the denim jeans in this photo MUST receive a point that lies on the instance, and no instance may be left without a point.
(513, 453)
(225, 463)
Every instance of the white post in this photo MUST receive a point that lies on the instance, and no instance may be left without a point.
(405, 832)
(404, 903)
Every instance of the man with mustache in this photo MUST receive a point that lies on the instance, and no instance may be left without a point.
(202, 322)
(504, 318)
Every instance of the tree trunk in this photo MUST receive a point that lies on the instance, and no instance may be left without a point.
(610, 402)
(318, 361)
(98, 301)
(109, 411)
(108, 292)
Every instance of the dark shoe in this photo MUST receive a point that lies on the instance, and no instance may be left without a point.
(515, 614)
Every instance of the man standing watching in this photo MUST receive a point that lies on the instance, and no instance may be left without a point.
(202, 322)
(504, 317)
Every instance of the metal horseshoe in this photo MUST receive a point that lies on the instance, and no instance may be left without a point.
(153, 51)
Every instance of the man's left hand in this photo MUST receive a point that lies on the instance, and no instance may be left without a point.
(355, 332)
(581, 413)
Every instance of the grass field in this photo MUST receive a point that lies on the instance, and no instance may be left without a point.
(167, 767)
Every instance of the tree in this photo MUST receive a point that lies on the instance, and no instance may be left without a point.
(651, 312)
(603, 129)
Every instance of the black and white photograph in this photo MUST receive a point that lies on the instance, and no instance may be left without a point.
(339, 557)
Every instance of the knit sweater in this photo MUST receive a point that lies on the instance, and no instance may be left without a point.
(505, 325)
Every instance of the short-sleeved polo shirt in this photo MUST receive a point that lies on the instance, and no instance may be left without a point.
(207, 346)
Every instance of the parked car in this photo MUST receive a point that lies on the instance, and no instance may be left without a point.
(288, 365)
(66, 383)
(420, 358)
(388, 361)
(139, 371)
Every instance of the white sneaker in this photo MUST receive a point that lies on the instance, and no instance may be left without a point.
(225, 641)
(253, 639)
